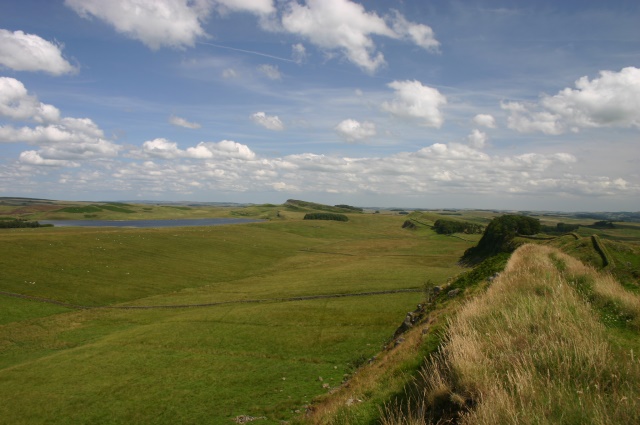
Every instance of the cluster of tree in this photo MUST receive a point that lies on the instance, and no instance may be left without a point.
(448, 227)
(18, 223)
(603, 224)
(408, 224)
(499, 234)
(560, 228)
(326, 216)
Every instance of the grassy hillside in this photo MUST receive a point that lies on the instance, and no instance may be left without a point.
(393, 381)
(206, 324)
(253, 350)
(621, 248)
(34, 209)
(552, 341)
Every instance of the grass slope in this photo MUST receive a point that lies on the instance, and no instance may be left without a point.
(551, 342)
(201, 365)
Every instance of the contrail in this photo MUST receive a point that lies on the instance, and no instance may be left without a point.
(247, 51)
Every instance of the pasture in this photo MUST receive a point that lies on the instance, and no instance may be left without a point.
(251, 350)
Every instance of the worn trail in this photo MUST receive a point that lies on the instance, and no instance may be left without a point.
(213, 304)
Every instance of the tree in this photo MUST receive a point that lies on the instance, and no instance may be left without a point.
(499, 234)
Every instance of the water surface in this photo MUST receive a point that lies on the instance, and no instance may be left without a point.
(149, 223)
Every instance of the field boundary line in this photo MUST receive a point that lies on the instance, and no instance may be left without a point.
(213, 304)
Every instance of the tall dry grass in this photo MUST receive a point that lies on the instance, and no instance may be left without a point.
(601, 289)
(531, 350)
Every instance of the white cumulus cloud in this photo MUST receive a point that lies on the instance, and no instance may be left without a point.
(223, 149)
(258, 7)
(298, 52)
(156, 23)
(28, 52)
(60, 138)
(34, 158)
(611, 100)
(346, 26)
(165, 23)
(485, 120)
(420, 34)
(270, 122)
(352, 130)
(523, 118)
(161, 148)
(17, 104)
(417, 101)
(181, 122)
(477, 139)
(165, 149)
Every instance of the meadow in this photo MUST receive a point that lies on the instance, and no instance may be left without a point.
(201, 324)
(293, 320)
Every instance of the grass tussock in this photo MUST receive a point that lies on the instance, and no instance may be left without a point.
(532, 350)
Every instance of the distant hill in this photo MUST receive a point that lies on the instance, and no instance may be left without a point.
(304, 206)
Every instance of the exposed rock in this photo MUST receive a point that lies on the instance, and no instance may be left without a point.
(452, 293)
(353, 401)
(243, 419)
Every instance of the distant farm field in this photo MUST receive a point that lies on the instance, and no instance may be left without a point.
(250, 348)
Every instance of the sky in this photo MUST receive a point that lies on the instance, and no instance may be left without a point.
(492, 104)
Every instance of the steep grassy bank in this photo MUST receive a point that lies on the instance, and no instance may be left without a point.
(391, 373)
(551, 342)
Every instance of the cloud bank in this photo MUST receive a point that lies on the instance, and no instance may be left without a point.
(62, 140)
(334, 26)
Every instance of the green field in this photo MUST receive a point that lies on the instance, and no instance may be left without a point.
(205, 324)
(251, 350)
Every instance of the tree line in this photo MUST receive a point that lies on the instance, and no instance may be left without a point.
(448, 227)
(326, 216)
(19, 223)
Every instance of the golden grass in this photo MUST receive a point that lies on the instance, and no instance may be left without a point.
(604, 290)
(531, 350)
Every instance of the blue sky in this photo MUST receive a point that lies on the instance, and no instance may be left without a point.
(428, 104)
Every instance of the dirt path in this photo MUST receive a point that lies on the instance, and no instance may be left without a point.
(252, 301)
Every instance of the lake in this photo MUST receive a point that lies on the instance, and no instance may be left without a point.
(149, 223)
